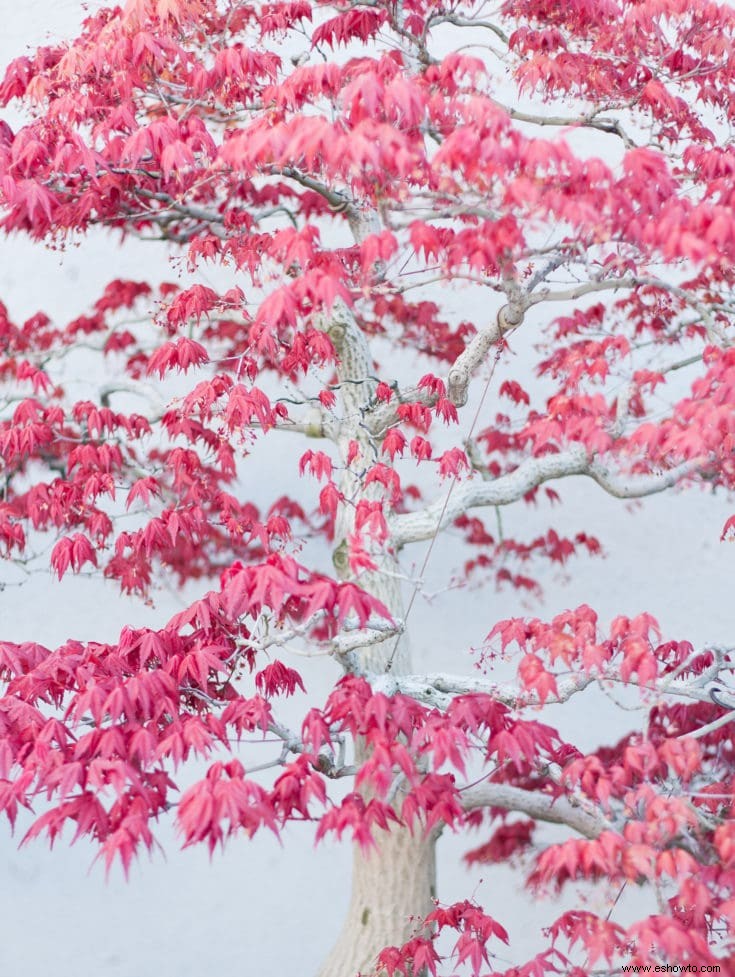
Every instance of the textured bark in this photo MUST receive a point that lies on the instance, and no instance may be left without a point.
(393, 884)
(389, 887)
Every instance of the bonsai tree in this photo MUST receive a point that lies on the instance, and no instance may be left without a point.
(353, 173)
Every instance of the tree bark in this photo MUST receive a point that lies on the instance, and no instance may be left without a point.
(394, 884)
(391, 886)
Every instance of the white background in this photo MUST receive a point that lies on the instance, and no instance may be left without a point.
(262, 909)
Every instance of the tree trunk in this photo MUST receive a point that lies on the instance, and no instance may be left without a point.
(390, 885)
(394, 883)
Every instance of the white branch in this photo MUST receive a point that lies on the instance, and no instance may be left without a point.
(460, 374)
(343, 644)
(382, 416)
(697, 734)
(411, 527)
(578, 291)
(438, 689)
(557, 810)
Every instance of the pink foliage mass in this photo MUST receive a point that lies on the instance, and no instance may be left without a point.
(349, 175)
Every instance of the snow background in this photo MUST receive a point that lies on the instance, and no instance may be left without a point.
(262, 908)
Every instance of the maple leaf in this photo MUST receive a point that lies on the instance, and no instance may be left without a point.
(394, 443)
(181, 354)
(276, 678)
(72, 551)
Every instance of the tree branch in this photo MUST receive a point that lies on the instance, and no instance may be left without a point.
(611, 126)
(382, 416)
(459, 21)
(460, 374)
(411, 527)
(578, 291)
(439, 689)
(542, 807)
